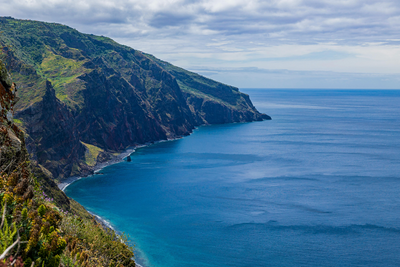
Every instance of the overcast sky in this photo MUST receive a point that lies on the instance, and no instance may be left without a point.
(247, 43)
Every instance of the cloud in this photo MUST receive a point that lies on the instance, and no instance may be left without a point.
(340, 35)
(350, 21)
(282, 78)
(165, 19)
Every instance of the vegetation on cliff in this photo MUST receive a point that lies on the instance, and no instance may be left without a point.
(37, 229)
(84, 98)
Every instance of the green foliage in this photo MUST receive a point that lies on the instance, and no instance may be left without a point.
(31, 88)
(42, 210)
(61, 71)
(37, 55)
(79, 210)
(53, 236)
(47, 186)
(7, 234)
(17, 121)
(4, 76)
(90, 244)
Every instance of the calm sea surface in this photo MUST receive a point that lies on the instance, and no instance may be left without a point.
(319, 185)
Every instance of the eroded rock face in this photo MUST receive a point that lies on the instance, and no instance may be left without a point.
(114, 115)
(52, 129)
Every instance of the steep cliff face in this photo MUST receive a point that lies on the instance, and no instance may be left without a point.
(52, 130)
(115, 115)
(87, 95)
(39, 225)
(212, 102)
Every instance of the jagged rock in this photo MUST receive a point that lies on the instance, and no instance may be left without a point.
(52, 128)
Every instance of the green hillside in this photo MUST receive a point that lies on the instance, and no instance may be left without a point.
(81, 93)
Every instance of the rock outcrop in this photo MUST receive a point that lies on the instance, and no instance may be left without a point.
(51, 128)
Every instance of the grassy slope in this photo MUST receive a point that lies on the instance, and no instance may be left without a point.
(58, 53)
(91, 154)
(39, 48)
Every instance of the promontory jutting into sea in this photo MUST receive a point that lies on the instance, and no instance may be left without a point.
(111, 156)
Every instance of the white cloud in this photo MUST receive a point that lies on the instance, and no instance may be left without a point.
(282, 78)
(340, 35)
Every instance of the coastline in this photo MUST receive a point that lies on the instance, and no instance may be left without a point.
(64, 184)
(117, 159)
(105, 224)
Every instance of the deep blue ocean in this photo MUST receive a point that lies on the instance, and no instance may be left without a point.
(318, 185)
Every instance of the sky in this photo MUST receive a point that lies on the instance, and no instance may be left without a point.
(344, 44)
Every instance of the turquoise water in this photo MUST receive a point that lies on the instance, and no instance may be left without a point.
(319, 185)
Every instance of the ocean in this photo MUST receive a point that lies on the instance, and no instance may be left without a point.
(318, 185)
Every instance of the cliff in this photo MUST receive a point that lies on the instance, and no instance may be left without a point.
(85, 98)
(212, 102)
(39, 225)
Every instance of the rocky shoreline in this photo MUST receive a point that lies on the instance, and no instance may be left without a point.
(116, 159)
(65, 183)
